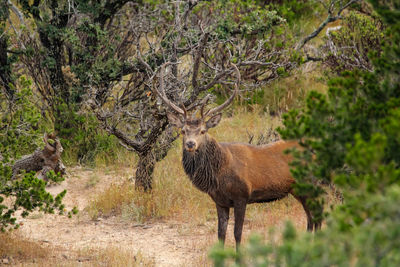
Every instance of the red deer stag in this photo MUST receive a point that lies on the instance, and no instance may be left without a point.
(233, 174)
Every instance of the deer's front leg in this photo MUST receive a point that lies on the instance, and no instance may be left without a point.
(239, 210)
(223, 217)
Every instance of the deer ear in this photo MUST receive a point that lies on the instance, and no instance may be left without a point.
(213, 121)
(175, 120)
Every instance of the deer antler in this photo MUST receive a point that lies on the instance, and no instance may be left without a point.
(204, 104)
(184, 110)
(163, 96)
(48, 146)
(58, 146)
(228, 101)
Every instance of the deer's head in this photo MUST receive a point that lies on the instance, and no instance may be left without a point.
(194, 130)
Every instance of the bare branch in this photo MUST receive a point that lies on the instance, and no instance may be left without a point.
(141, 60)
(259, 63)
(214, 81)
(17, 12)
(119, 134)
(126, 147)
(162, 94)
(329, 19)
(230, 99)
(196, 64)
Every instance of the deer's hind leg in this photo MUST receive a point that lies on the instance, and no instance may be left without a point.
(239, 211)
(310, 225)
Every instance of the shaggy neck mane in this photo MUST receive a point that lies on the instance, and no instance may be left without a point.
(203, 165)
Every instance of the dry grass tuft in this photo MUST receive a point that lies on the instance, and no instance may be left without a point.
(14, 248)
(112, 256)
(19, 251)
(164, 202)
(91, 257)
(110, 201)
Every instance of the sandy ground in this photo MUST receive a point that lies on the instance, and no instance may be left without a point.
(164, 242)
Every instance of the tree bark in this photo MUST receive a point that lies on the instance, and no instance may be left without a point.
(5, 70)
(144, 171)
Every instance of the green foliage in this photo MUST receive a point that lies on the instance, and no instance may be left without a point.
(244, 17)
(94, 64)
(30, 194)
(350, 138)
(4, 11)
(294, 10)
(255, 97)
(19, 135)
(82, 137)
(348, 47)
(20, 120)
(356, 105)
(65, 77)
(94, 51)
(372, 243)
(364, 231)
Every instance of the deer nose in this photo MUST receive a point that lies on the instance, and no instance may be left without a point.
(190, 144)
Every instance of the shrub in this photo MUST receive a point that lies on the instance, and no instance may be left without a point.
(348, 47)
(351, 138)
(18, 136)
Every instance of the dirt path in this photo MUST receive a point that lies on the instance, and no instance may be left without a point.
(164, 243)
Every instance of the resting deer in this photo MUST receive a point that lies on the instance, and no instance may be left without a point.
(45, 160)
(232, 174)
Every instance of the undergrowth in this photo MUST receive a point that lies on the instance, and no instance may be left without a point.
(290, 92)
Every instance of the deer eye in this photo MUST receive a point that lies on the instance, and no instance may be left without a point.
(183, 132)
(203, 131)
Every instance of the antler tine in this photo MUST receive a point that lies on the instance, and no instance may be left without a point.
(230, 99)
(184, 110)
(204, 104)
(163, 96)
(58, 146)
(48, 146)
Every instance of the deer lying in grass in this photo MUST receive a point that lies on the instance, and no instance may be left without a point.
(233, 174)
(45, 160)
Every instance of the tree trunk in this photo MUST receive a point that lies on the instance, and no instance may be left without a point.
(5, 69)
(152, 155)
(144, 171)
